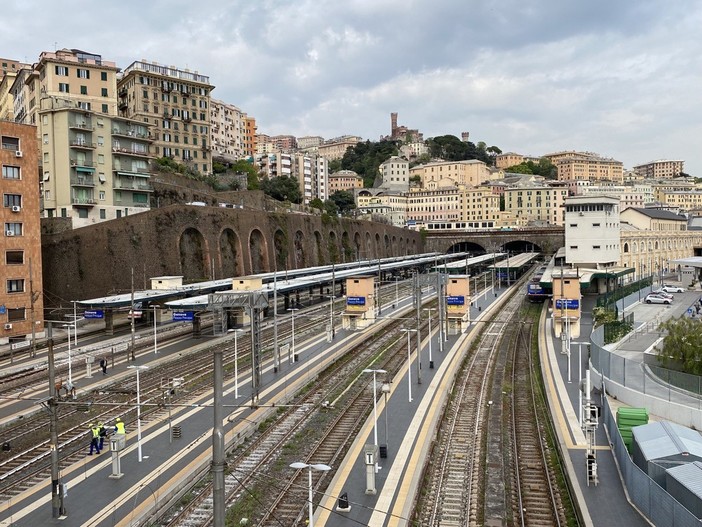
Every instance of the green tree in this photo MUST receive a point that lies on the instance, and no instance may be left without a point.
(682, 344)
(344, 201)
(282, 188)
(451, 148)
(317, 203)
(365, 158)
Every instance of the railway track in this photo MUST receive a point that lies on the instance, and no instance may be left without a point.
(320, 432)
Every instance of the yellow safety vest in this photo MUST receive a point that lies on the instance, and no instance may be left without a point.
(96, 432)
(120, 428)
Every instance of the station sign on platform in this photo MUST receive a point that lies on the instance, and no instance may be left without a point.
(93, 313)
(455, 300)
(183, 316)
(567, 303)
(356, 301)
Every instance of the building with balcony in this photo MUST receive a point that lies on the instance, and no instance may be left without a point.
(662, 168)
(176, 104)
(21, 269)
(589, 167)
(539, 205)
(250, 137)
(336, 148)
(439, 174)
(344, 180)
(309, 142)
(95, 167)
(228, 130)
(508, 159)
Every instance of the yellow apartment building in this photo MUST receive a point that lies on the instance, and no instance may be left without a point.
(537, 204)
(441, 174)
(176, 103)
(590, 168)
(662, 168)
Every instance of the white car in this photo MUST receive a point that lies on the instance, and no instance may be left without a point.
(673, 289)
(653, 298)
(661, 292)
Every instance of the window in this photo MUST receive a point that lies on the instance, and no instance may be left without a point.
(62, 71)
(14, 228)
(595, 224)
(10, 172)
(103, 92)
(104, 108)
(83, 73)
(63, 87)
(64, 213)
(101, 159)
(15, 286)
(119, 214)
(14, 257)
(103, 75)
(46, 158)
(101, 194)
(84, 105)
(574, 247)
(596, 247)
(16, 314)
(103, 216)
(12, 200)
(83, 213)
(47, 197)
(100, 140)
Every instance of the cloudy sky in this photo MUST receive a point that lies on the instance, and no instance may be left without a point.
(620, 78)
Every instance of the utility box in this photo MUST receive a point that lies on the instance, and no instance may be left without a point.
(117, 442)
(370, 454)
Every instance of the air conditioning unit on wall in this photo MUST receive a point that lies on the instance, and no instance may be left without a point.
(18, 153)
(10, 233)
(8, 326)
(16, 208)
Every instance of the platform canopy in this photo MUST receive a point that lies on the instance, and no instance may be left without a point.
(693, 261)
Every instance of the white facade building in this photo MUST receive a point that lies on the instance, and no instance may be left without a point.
(592, 232)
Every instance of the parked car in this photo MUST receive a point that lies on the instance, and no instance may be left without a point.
(662, 293)
(673, 289)
(653, 298)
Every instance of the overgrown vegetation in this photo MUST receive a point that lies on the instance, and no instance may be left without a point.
(682, 345)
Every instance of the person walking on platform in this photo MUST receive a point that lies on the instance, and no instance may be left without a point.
(94, 439)
(119, 427)
(103, 365)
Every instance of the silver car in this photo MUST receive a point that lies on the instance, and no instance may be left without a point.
(653, 298)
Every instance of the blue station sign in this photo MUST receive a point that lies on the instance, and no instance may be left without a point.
(183, 316)
(93, 313)
(567, 303)
(356, 301)
(455, 300)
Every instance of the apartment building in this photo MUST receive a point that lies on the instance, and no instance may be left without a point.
(94, 166)
(336, 148)
(629, 196)
(284, 142)
(228, 128)
(440, 174)
(21, 272)
(250, 137)
(589, 167)
(8, 73)
(682, 200)
(344, 180)
(321, 177)
(309, 142)
(395, 174)
(390, 205)
(508, 159)
(538, 204)
(448, 204)
(176, 103)
(662, 168)
(310, 171)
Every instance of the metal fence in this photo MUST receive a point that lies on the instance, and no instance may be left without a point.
(651, 499)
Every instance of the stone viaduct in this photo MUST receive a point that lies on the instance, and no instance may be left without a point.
(205, 243)
(546, 240)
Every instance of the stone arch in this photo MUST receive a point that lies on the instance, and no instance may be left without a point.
(230, 253)
(655, 246)
(385, 247)
(192, 251)
(403, 247)
(358, 244)
(280, 249)
(369, 244)
(300, 256)
(333, 248)
(319, 252)
(377, 246)
(349, 254)
(258, 252)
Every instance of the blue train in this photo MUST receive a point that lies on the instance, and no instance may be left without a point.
(536, 293)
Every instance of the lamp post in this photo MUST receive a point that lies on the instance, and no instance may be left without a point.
(409, 361)
(397, 293)
(138, 368)
(315, 466)
(293, 359)
(385, 388)
(68, 331)
(375, 410)
(155, 338)
(75, 324)
(236, 364)
(580, 378)
(431, 361)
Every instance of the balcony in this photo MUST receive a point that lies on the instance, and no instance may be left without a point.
(82, 144)
(166, 88)
(84, 181)
(133, 184)
(187, 119)
(167, 115)
(81, 124)
(83, 200)
(122, 104)
(131, 132)
(122, 92)
(75, 163)
(130, 152)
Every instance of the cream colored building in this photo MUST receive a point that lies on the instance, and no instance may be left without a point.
(592, 231)
(662, 168)
(441, 174)
(654, 220)
(176, 102)
(651, 252)
(508, 159)
(336, 148)
(537, 204)
(10, 69)
(592, 168)
(391, 205)
(629, 196)
(228, 130)
(683, 200)
(395, 174)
